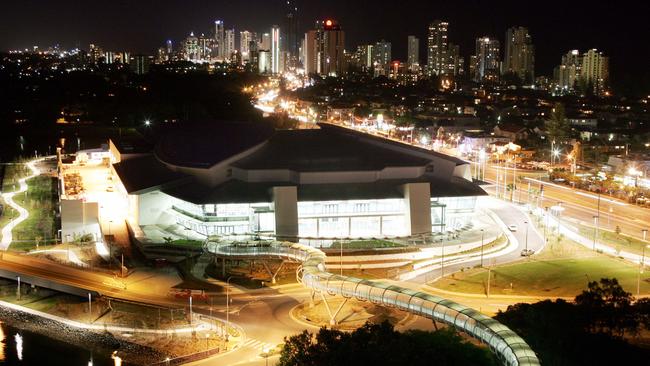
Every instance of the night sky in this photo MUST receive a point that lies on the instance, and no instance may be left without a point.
(620, 28)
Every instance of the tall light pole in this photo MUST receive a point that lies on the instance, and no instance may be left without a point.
(341, 257)
(546, 224)
(482, 235)
(442, 261)
(597, 218)
(526, 241)
(191, 317)
(595, 232)
(227, 305)
(552, 152)
(641, 266)
(514, 179)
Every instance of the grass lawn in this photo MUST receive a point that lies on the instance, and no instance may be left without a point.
(560, 277)
(41, 202)
(365, 244)
(187, 243)
(618, 241)
(12, 173)
(561, 270)
(7, 214)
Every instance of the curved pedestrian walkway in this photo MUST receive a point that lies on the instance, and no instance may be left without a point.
(506, 344)
(7, 236)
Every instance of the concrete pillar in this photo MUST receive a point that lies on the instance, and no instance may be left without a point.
(417, 199)
(285, 200)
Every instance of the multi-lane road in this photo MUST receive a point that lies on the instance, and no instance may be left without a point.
(578, 205)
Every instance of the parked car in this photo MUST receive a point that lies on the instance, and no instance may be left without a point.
(527, 252)
(512, 228)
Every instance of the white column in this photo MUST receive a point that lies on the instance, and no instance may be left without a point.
(417, 199)
(285, 200)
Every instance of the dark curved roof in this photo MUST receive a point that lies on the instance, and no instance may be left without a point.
(319, 150)
(202, 146)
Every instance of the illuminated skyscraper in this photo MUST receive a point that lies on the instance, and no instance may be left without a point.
(455, 62)
(219, 39)
(229, 48)
(364, 57)
(381, 57)
(520, 54)
(568, 72)
(276, 61)
(413, 59)
(324, 49)
(139, 64)
(245, 39)
(191, 48)
(265, 42)
(96, 53)
(204, 47)
(264, 61)
(437, 44)
(487, 60)
(594, 71)
(290, 39)
(170, 48)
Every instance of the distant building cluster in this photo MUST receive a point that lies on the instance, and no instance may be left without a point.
(322, 50)
(588, 71)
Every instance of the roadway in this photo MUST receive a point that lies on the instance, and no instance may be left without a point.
(579, 205)
(526, 237)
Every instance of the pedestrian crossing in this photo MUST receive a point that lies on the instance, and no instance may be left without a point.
(259, 345)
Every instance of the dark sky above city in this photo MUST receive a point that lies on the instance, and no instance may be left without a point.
(619, 28)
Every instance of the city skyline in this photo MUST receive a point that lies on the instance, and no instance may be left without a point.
(130, 26)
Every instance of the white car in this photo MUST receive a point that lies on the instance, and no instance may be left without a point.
(527, 252)
(512, 228)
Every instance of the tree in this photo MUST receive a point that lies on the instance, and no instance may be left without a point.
(642, 310)
(587, 332)
(558, 126)
(380, 344)
(609, 307)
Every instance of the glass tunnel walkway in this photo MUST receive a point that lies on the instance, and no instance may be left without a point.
(506, 344)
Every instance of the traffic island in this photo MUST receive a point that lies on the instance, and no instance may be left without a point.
(352, 314)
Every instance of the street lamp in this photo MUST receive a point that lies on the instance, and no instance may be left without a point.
(482, 235)
(641, 267)
(266, 355)
(546, 225)
(526, 241)
(228, 304)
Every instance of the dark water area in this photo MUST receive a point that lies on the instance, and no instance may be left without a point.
(27, 141)
(21, 347)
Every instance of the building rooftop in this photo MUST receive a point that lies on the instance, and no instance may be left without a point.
(144, 173)
(132, 145)
(202, 146)
(322, 150)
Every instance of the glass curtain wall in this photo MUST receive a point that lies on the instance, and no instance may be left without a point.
(351, 219)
